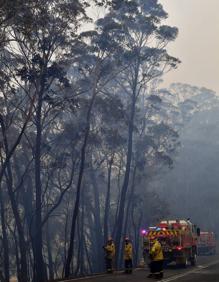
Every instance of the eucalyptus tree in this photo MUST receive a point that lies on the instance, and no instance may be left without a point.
(13, 123)
(145, 40)
(154, 145)
(99, 54)
(43, 32)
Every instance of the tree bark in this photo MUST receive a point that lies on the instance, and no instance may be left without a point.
(107, 201)
(76, 207)
(80, 178)
(4, 238)
(21, 237)
(98, 242)
(49, 251)
(120, 219)
(39, 271)
(122, 202)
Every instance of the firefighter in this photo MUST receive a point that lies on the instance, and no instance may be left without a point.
(128, 255)
(157, 259)
(110, 251)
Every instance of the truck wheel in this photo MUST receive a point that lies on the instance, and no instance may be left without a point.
(193, 260)
(185, 263)
(182, 262)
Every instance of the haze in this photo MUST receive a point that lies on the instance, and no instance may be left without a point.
(197, 44)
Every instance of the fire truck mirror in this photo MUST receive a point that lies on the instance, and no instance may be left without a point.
(198, 231)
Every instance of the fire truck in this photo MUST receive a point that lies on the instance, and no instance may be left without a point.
(207, 243)
(178, 238)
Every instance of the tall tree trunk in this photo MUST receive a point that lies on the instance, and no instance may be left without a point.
(39, 271)
(120, 219)
(98, 242)
(122, 202)
(65, 239)
(21, 237)
(80, 178)
(78, 263)
(80, 226)
(107, 201)
(90, 250)
(19, 273)
(49, 252)
(4, 239)
(76, 207)
(89, 265)
(130, 201)
(82, 256)
(135, 224)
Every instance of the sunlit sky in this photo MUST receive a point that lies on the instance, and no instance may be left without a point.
(197, 45)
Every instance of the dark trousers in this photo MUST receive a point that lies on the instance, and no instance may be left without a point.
(128, 265)
(156, 267)
(109, 264)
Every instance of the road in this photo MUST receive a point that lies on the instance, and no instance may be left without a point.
(202, 274)
(207, 270)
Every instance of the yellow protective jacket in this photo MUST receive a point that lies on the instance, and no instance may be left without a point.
(110, 250)
(128, 251)
(156, 252)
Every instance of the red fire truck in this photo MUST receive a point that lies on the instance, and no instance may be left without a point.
(207, 243)
(178, 239)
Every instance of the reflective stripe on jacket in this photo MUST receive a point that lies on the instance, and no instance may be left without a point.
(128, 251)
(156, 251)
(110, 250)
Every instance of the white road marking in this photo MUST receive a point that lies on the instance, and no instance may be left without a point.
(200, 267)
(84, 278)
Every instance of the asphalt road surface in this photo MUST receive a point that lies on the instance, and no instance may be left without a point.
(205, 273)
(207, 270)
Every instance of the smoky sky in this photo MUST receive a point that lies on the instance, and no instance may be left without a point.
(197, 45)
